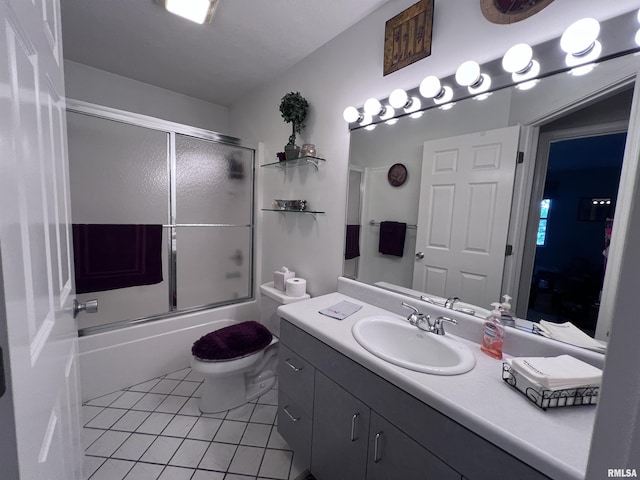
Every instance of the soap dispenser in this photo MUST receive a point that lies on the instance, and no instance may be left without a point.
(493, 333)
(507, 318)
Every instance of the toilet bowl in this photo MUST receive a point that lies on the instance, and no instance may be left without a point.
(235, 380)
(231, 383)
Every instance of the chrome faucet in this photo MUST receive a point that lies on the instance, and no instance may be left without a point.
(438, 326)
(450, 301)
(417, 318)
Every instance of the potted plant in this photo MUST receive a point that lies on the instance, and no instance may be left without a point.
(294, 108)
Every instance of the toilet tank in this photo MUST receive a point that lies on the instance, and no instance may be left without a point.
(270, 299)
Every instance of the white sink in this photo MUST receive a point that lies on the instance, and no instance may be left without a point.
(407, 346)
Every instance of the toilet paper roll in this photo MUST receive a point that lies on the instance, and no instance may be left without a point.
(296, 287)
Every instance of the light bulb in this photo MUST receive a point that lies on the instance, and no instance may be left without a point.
(398, 98)
(372, 106)
(366, 120)
(430, 87)
(351, 114)
(580, 36)
(590, 56)
(532, 72)
(518, 58)
(468, 73)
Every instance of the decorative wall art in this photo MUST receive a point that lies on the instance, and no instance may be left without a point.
(407, 36)
(505, 12)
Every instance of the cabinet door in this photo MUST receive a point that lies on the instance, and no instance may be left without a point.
(394, 455)
(340, 430)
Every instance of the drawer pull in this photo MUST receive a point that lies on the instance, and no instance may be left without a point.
(354, 427)
(293, 419)
(288, 362)
(377, 447)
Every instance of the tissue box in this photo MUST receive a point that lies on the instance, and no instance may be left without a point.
(280, 279)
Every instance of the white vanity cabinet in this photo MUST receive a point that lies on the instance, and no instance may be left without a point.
(349, 423)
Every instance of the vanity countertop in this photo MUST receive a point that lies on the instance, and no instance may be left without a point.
(555, 442)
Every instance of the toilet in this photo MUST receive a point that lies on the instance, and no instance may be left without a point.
(239, 362)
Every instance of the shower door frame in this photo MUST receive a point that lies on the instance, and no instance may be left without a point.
(172, 129)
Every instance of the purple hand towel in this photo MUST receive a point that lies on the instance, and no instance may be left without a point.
(352, 244)
(232, 342)
(116, 256)
(392, 235)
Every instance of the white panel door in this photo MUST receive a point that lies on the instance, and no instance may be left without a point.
(465, 203)
(37, 328)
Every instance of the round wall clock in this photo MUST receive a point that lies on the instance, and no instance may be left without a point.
(511, 11)
(397, 174)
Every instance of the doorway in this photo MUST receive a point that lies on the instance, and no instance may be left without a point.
(574, 225)
(573, 151)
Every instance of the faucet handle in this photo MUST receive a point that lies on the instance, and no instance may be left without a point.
(406, 305)
(439, 327)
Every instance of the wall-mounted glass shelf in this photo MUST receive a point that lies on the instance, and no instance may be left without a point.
(311, 212)
(296, 162)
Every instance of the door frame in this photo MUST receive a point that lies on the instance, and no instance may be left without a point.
(528, 178)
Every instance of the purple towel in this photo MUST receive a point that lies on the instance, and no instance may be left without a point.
(232, 342)
(352, 244)
(116, 256)
(392, 235)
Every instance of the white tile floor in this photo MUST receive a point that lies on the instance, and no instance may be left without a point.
(154, 431)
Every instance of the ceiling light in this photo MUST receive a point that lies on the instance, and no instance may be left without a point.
(199, 11)
(351, 114)
(518, 59)
(579, 38)
(373, 107)
(399, 99)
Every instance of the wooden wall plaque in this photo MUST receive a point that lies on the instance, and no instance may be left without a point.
(407, 36)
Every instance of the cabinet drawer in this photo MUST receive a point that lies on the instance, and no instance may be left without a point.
(294, 424)
(296, 379)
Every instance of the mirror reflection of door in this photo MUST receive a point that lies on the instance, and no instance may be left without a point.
(468, 178)
(576, 194)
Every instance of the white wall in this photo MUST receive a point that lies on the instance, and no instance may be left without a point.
(104, 88)
(346, 71)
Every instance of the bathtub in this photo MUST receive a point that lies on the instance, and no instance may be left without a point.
(111, 361)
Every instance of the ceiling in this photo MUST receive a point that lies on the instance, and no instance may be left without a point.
(247, 43)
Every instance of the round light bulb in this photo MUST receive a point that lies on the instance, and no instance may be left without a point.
(372, 106)
(579, 37)
(468, 73)
(351, 114)
(590, 56)
(398, 98)
(518, 58)
(430, 87)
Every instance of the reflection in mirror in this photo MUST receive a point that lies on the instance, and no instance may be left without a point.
(571, 131)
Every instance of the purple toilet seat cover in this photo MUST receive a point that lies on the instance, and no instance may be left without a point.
(231, 342)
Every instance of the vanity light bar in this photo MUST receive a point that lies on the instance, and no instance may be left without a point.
(583, 43)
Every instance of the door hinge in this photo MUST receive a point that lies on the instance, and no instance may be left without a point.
(508, 251)
(520, 157)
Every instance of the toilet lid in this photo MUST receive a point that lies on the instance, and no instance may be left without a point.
(231, 342)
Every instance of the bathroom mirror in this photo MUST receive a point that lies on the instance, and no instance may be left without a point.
(571, 131)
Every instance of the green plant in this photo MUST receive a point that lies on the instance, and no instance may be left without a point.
(294, 108)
